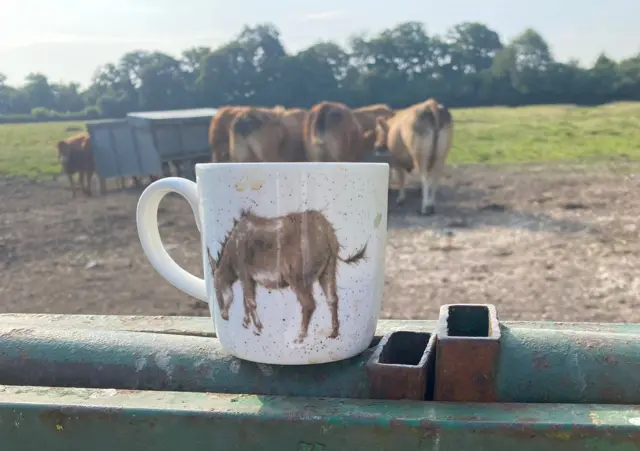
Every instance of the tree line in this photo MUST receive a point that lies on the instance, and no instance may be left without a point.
(467, 66)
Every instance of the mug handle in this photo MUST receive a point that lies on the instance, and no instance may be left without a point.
(149, 234)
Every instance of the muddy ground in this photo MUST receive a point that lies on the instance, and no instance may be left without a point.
(538, 243)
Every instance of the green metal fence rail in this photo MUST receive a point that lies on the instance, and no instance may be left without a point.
(56, 419)
(68, 382)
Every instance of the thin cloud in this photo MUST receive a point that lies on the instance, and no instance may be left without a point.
(323, 15)
(62, 38)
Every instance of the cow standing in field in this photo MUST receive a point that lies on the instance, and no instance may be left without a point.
(75, 156)
(417, 137)
(367, 115)
(267, 135)
(332, 133)
(292, 251)
(219, 132)
(293, 119)
(368, 118)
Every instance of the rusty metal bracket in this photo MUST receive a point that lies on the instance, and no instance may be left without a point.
(467, 353)
(402, 365)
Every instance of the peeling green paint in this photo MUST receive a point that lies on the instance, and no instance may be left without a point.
(72, 419)
(178, 361)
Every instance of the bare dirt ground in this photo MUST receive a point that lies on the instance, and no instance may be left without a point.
(538, 243)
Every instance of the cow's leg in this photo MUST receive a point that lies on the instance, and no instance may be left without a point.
(177, 164)
(431, 178)
(304, 293)
(166, 169)
(402, 193)
(103, 185)
(330, 289)
(428, 193)
(435, 176)
(81, 177)
(72, 183)
(89, 179)
(444, 144)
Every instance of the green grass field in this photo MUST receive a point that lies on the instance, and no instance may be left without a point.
(561, 133)
(30, 149)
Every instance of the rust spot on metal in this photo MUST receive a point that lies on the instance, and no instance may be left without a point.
(61, 419)
(465, 418)
(516, 406)
(126, 392)
(468, 349)
(614, 395)
(594, 418)
(527, 420)
(539, 362)
(54, 418)
(430, 427)
(402, 366)
(396, 423)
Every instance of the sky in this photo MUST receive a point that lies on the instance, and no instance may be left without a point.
(68, 39)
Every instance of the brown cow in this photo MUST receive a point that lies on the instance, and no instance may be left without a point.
(75, 155)
(417, 137)
(219, 132)
(332, 133)
(292, 251)
(368, 118)
(293, 118)
(367, 115)
(266, 134)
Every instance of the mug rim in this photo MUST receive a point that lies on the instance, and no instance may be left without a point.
(289, 164)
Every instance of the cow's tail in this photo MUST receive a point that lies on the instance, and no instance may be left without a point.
(429, 120)
(325, 117)
(356, 257)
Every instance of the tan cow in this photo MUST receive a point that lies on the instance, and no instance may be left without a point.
(266, 134)
(367, 115)
(75, 156)
(219, 132)
(332, 133)
(417, 137)
(293, 118)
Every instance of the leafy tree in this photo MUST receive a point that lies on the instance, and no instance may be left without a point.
(467, 66)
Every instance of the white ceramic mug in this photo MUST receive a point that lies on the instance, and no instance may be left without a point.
(294, 255)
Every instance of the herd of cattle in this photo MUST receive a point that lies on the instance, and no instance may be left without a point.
(418, 137)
